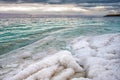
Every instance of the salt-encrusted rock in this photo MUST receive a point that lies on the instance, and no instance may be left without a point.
(45, 73)
(46, 68)
(64, 74)
(81, 79)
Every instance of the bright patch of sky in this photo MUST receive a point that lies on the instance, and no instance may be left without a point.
(56, 8)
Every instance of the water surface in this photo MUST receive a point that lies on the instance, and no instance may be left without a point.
(19, 32)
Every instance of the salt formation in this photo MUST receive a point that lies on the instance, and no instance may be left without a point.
(47, 68)
(91, 58)
(99, 55)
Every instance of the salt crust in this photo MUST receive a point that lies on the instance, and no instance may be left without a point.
(95, 58)
(46, 68)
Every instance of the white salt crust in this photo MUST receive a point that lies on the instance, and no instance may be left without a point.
(92, 58)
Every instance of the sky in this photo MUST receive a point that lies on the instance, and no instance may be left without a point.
(62, 7)
(63, 1)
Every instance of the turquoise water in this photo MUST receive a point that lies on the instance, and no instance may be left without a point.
(19, 32)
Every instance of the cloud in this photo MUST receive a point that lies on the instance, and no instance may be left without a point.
(18, 8)
(65, 1)
(45, 8)
(58, 9)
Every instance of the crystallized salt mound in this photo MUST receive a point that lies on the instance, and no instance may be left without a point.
(60, 66)
(99, 55)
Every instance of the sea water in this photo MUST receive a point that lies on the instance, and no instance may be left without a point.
(19, 32)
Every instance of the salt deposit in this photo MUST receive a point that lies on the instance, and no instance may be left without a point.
(91, 58)
(100, 56)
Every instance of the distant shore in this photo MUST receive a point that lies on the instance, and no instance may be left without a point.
(112, 15)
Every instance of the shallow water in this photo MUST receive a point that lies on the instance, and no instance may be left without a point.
(19, 32)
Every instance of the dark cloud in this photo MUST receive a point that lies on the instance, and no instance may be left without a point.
(64, 1)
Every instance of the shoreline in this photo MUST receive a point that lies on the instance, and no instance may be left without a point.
(91, 52)
(112, 15)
